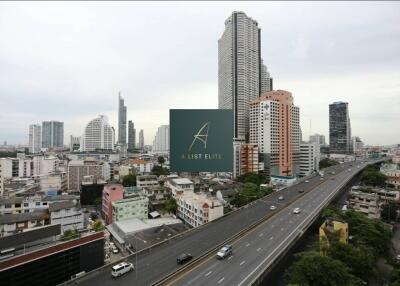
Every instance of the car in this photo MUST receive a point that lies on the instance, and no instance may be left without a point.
(281, 198)
(321, 179)
(349, 170)
(224, 252)
(296, 211)
(184, 257)
(301, 191)
(121, 268)
(333, 173)
(272, 208)
(307, 181)
(115, 250)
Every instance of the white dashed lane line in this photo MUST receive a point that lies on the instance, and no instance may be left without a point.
(243, 262)
(208, 273)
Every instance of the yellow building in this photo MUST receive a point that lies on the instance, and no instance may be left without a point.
(332, 230)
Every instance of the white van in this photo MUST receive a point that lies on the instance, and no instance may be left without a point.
(120, 269)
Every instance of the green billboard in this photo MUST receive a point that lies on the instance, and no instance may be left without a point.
(201, 140)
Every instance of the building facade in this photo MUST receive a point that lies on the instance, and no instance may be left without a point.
(317, 138)
(275, 129)
(134, 207)
(122, 117)
(180, 187)
(68, 214)
(392, 172)
(249, 162)
(52, 134)
(131, 135)
(309, 158)
(111, 193)
(241, 74)
(74, 143)
(77, 170)
(98, 135)
(141, 139)
(333, 230)
(161, 140)
(35, 138)
(339, 128)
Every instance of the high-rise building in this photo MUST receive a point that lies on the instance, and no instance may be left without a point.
(318, 138)
(241, 74)
(249, 162)
(74, 143)
(357, 144)
(339, 128)
(309, 158)
(121, 121)
(99, 135)
(52, 134)
(141, 139)
(131, 135)
(275, 129)
(161, 140)
(35, 138)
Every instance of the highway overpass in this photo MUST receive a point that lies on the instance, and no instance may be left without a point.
(259, 237)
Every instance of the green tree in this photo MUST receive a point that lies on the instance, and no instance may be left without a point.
(97, 225)
(390, 210)
(327, 162)
(161, 160)
(312, 269)
(359, 259)
(129, 180)
(170, 205)
(70, 234)
(255, 178)
(246, 194)
(159, 170)
(373, 178)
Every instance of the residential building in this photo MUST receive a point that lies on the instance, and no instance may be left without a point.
(51, 184)
(333, 230)
(141, 139)
(197, 209)
(133, 207)
(121, 120)
(275, 129)
(249, 162)
(111, 193)
(131, 135)
(44, 165)
(13, 223)
(339, 128)
(236, 157)
(35, 138)
(242, 77)
(98, 135)
(79, 169)
(68, 214)
(317, 138)
(141, 166)
(161, 140)
(52, 134)
(385, 194)
(309, 158)
(75, 143)
(392, 172)
(367, 203)
(180, 187)
(40, 260)
(145, 181)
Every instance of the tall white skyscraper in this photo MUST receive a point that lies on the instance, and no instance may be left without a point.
(161, 140)
(241, 74)
(98, 135)
(52, 134)
(122, 117)
(141, 139)
(35, 138)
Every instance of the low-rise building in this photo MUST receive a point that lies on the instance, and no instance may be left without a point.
(367, 203)
(13, 223)
(18, 205)
(392, 172)
(309, 158)
(385, 194)
(133, 207)
(197, 209)
(53, 183)
(141, 166)
(147, 181)
(79, 169)
(180, 187)
(333, 230)
(68, 214)
(111, 193)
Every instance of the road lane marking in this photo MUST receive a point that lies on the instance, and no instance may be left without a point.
(230, 257)
(208, 273)
(261, 234)
(271, 238)
(258, 249)
(243, 262)
(220, 280)
(247, 245)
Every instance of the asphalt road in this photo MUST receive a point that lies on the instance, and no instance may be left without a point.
(161, 260)
(259, 248)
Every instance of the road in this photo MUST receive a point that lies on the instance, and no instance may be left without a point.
(161, 260)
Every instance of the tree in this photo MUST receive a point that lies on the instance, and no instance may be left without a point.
(129, 180)
(70, 234)
(373, 178)
(390, 211)
(97, 225)
(311, 269)
(161, 160)
(255, 178)
(170, 205)
(246, 194)
(159, 170)
(327, 162)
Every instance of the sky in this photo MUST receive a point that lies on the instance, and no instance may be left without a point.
(67, 61)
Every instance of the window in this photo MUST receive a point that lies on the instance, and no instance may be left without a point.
(37, 204)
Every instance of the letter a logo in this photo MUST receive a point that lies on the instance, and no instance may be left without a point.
(201, 135)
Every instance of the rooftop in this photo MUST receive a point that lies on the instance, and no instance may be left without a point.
(56, 206)
(22, 217)
(182, 181)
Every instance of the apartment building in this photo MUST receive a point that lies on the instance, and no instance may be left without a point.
(79, 169)
(13, 223)
(367, 203)
(392, 172)
(145, 181)
(68, 214)
(111, 193)
(141, 166)
(133, 207)
(309, 158)
(180, 187)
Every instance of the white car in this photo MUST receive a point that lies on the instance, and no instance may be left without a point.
(272, 208)
(280, 198)
(115, 250)
(296, 211)
(121, 268)
(307, 181)
(224, 252)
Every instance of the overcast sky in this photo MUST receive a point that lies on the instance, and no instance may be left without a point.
(67, 62)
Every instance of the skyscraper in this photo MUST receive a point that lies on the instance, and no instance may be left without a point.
(35, 138)
(275, 128)
(241, 73)
(339, 128)
(99, 135)
(121, 120)
(141, 139)
(52, 134)
(317, 138)
(131, 135)
(161, 140)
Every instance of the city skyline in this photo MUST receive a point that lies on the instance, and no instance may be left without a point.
(351, 60)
